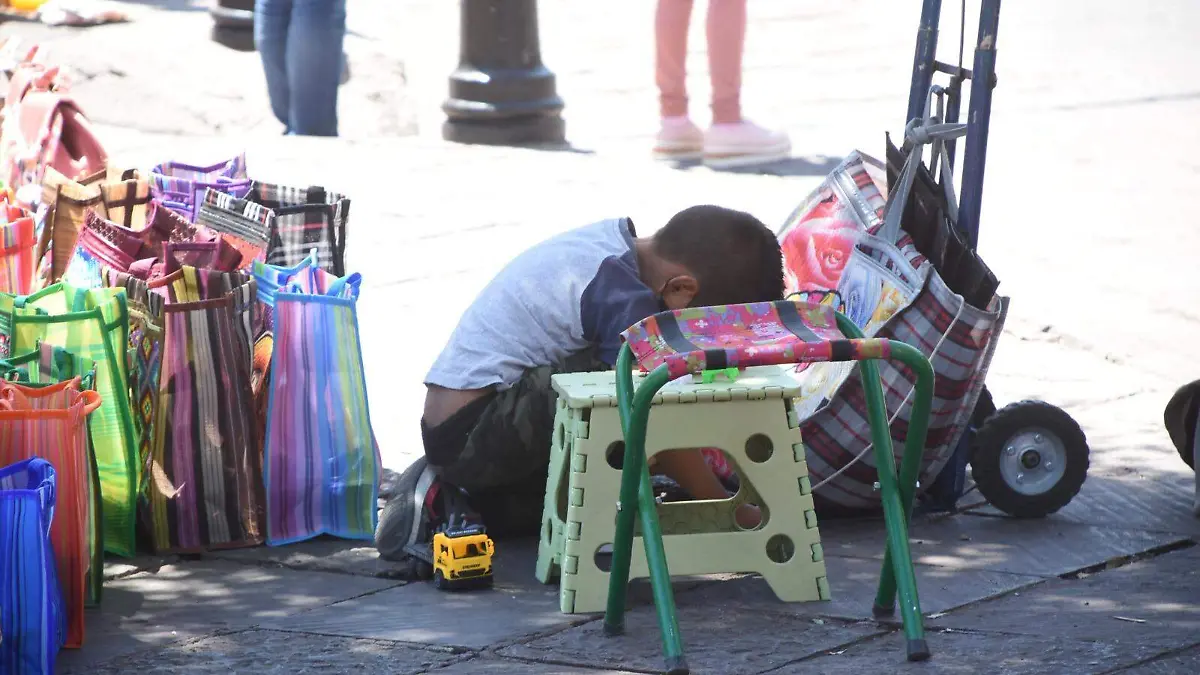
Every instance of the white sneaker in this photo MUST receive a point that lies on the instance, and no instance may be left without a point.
(678, 139)
(744, 143)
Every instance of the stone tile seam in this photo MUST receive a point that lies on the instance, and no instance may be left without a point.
(1068, 576)
(1157, 657)
(302, 567)
(551, 661)
(841, 647)
(1108, 526)
(1117, 562)
(340, 601)
(422, 646)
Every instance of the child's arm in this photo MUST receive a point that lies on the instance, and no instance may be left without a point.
(688, 468)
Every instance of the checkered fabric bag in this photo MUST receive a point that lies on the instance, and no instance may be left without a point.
(958, 338)
(126, 201)
(306, 218)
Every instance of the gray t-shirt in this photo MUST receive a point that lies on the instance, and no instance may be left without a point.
(576, 290)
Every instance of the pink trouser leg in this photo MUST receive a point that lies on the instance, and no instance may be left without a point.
(726, 42)
(670, 61)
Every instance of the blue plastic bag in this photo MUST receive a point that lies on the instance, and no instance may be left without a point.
(32, 620)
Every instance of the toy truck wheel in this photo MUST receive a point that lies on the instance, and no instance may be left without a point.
(439, 580)
(1030, 459)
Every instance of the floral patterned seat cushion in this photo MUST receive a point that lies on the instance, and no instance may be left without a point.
(697, 339)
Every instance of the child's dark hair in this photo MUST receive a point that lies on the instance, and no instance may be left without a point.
(733, 255)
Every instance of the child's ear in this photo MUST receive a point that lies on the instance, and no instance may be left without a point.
(679, 292)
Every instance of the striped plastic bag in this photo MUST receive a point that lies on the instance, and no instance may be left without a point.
(51, 423)
(322, 464)
(93, 324)
(144, 366)
(50, 365)
(181, 186)
(32, 626)
(205, 484)
(18, 249)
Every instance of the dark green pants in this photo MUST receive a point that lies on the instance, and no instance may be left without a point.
(498, 448)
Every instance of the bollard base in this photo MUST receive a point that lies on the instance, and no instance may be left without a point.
(523, 130)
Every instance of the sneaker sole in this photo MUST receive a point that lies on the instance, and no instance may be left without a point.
(733, 159)
(400, 523)
(668, 155)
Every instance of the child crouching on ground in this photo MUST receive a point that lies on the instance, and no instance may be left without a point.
(561, 307)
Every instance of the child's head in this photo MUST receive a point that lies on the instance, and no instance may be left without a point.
(709, 255)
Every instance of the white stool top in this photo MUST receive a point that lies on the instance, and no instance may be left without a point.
(599, 389)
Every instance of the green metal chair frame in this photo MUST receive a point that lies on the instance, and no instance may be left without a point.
(637, 497)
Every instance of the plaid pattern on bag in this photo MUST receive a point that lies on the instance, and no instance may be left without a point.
(125, 201)
(838, 432)
(306, 218)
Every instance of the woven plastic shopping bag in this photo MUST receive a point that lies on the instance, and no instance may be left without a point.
(246, 225)
(181, 186)
(50, 365)
(32, 626)
(93, 324)
(18, 248)
(51, 423)
(956, 336)
(144, 366)
(149, 250)
(322, 465)
(205, 484)
(306, 219)
(831, 257)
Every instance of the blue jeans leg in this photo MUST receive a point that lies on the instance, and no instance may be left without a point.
(306, 62)
(271, 21)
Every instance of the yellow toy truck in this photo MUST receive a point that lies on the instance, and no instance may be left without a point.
(462, 559)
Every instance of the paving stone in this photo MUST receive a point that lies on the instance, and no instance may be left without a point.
(1186, 661)
(1047, 547)
(1158, 600)
(188, 600)
(487, 665)
(419, 613)
(853, 582)
(716, 639)
(272, 652)
(1145, 502)
(956, 653)
(326, 554)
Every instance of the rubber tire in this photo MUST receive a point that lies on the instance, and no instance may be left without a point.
(990, 440)
(439, 581)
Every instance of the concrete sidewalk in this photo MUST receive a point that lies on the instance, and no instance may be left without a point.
(1086, 161)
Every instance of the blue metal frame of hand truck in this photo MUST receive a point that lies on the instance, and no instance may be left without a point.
(943, 495)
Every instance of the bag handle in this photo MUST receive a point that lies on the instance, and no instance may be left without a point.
(904, 269)
(91, 401)
(918, 133)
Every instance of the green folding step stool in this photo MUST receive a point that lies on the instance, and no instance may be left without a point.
(704, 339)
(751, 418)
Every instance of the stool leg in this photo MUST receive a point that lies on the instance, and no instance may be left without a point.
(660, 577)
(894, 517)
(637, 495)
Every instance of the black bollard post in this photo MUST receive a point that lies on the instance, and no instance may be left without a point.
(233, 24)
(501, 94)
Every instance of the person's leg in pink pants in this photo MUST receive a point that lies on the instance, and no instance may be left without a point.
(731, 140)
